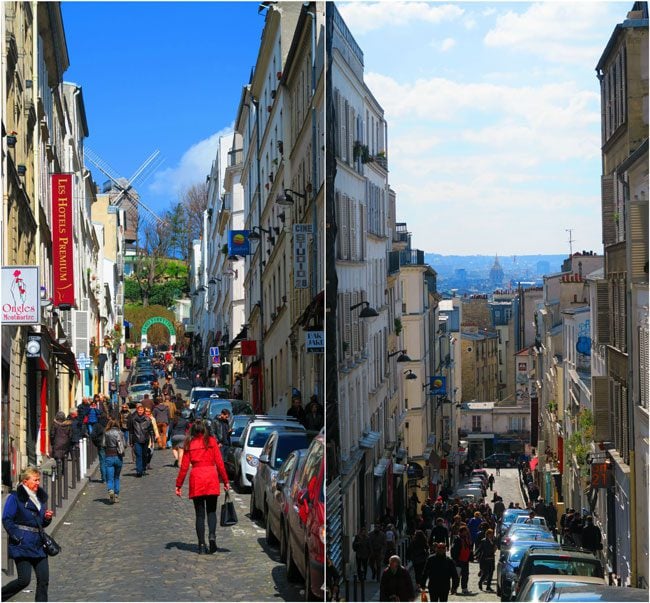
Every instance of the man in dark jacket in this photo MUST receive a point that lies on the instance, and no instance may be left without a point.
(140, 433)
(499, 508)
(440, 573)
(396, 582)
(60, 436)
(361, 546)
(439, 534)
(221, 428)
(592, 539)
(485, 551)
(377, 541)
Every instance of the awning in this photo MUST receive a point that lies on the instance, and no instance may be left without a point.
(381, 467)
(369, 439)
(533, 463)
(65, 356)
(480, 436)
(398, 468)
(243, 334)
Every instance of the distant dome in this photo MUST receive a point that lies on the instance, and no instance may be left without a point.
(496, 273)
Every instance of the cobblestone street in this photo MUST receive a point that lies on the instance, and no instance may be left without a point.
(144, 548)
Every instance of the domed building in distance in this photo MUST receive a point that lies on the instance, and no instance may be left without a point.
(496, 273)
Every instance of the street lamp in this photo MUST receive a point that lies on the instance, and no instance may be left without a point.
(286, 199)
(255, 236)
(402, 356)
(367, 312)
(410, 375)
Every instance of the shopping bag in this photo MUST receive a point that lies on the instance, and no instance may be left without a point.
(228, 513)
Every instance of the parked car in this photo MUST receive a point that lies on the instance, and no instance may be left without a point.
(229, 453)
(540, 587)
(509, 561)
(283, 488)
(201, 392)
(140, 378)
(306, 519)
(584, 593)
(252, 441)
(505, 460)
(482, 473)
(507, 518)
(567, 561)
(477, 493)
(537, 520)
(212, 410)
(276, 449)
(519, 531)
(137, 393)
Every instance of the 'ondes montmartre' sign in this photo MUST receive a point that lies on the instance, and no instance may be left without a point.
(62, 243)
(21, 303)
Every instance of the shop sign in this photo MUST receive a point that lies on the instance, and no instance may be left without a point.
(21, 302)
(62, 241)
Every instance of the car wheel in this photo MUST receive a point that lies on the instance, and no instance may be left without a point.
(253, 508)
(293, 575)
(270, 536)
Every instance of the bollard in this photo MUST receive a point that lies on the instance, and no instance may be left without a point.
(66, 470)
(363, 589)
(347, 590)
(83, 448)
(354, 589)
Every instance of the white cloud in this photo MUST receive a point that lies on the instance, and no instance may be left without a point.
(557, 31)
(447, 44)
(193, 166)
(362, 17)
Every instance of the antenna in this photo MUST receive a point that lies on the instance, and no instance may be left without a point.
(571, 240)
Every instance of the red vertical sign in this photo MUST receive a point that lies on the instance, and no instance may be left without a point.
(62, 244)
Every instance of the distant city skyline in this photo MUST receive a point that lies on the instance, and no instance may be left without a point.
(493, 114)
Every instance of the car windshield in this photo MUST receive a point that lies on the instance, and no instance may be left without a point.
(510, 514)
(238, 425)
(205, 392)
(144, 378)
(216, 406)
(287, 443)
(518, 552)
(258, 435)
(140, 388)
(565, 567)
(528, 520)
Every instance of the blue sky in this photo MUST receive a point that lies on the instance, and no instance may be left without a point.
(160, 75)
(493, 114)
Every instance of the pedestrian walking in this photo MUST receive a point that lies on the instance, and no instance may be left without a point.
(485, 553)
(97, 438)
(461, 553)
(161, 415)
(314, 418)
(123, 392)
(203, 454)
(93, 415)
(222, 429)
(77, 432)
(396, 583)
(297, 411)
(114, 441)
(391, 542)
(491, 481)
(24, 511)
(439, 534)
(377, 549)
(123, 420)
(171, 407)
(151, 445)
(180, 429)
(60, 438)
(497, 467)
(361, 547)
(140, 434)
(418, 553)
(439, 574)
(592, 538)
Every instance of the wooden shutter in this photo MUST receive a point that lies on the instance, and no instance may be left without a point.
(356, 298)
(362, 232)
(625, 442)
(602, 312)
(343, 227)
(608, 209)
(352, 220)
(343, 112)
(339, 225)
(600, 402)
(638, 236)
(347, 329)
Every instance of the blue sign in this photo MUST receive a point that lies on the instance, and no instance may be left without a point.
(438, 385)
(238, 242)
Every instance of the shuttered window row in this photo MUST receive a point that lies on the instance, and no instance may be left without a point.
(351, 223)
(613, 95)
(644, 368)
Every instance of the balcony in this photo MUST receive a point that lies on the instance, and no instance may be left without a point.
(401, 234)
(235, 157)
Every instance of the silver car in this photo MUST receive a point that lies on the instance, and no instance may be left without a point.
(137, 393)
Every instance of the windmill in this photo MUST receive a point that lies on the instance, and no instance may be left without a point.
(125, 188)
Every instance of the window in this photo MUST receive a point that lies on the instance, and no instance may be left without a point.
(476, 423)
(517, 423)
(644, 367)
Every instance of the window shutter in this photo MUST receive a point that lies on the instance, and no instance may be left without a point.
(362, 232)
(347, 329)
(602, 312)
(81, 332)
(600, 399)
(625, 443)
(638, 235)
(345, 235)
(343, 108)
(356, 298)
(339, 225)
(622, 316)
(608, 209)
(354, 244)
(644, 367)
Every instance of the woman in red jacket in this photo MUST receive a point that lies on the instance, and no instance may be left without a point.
(202, 452)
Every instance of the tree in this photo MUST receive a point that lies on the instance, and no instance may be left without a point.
(194, 201)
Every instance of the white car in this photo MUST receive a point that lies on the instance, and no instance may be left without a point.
(197, 393)
(252, 441)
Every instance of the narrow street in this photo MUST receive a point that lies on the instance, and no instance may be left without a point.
(145, 548)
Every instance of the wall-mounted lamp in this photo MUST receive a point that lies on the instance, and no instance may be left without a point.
(281, 216)
(410, 375)
(214, 280)
(286, 199)
(402, 356)
(367, 312)
(255, 236)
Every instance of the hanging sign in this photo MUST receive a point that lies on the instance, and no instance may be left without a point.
(21, 302)
(301, 233)
(62, 241)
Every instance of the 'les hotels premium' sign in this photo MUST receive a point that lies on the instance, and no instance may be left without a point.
(63, 267)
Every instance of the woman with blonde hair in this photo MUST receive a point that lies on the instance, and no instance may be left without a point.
(23, 517)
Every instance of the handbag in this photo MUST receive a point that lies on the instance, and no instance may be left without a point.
(51, 546)
(228, 513)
